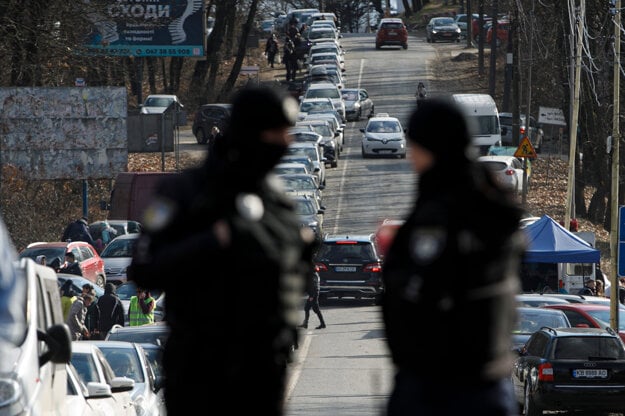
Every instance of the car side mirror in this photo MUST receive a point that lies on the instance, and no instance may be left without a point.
(322, 187)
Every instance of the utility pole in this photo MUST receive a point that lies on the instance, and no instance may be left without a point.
(492, 78)
(616, 138)
(530, 61)
(469, 30)
(580, 17)
(480, 34)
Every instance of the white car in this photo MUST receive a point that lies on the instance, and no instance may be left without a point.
(508, 171)
(117, 256)
(158, 103)
(92, 366)
(383, 136)
(129, 359)
(94, 399)
(327, 90)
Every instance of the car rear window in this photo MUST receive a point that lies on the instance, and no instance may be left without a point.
(390, 26)
(582, 348)
(495, 165)
(338, 250)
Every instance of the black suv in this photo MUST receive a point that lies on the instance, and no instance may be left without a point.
(572, 369)
(206, 117)
(349, 266)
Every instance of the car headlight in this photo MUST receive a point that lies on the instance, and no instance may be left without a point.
(434, 31)
(10, 394)
(458, 30)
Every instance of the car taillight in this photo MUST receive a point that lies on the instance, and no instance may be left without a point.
(545, 372)
(320, 267)
(510, 172)
(522, 130)
(372, 268)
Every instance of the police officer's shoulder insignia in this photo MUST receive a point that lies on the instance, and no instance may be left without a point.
(427, 244)
(250, 206)
(158, 214)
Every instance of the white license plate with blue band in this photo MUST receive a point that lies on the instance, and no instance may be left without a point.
(345, 269)
(590, 373)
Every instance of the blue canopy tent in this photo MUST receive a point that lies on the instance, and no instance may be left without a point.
(549, 242)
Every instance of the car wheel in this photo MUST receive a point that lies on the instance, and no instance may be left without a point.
(433, 40)
(359, 115)
(200, 136)
(377, 46)
(405, 46)
(428, 40)
(335, 163)
(372, 113)
(364, 155)
(377, 301)
(529, 407)
(402, 156)
(100, 281)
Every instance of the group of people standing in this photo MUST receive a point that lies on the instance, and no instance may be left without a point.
(290, 53)
(91, 318)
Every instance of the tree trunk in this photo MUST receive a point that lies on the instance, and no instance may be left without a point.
(228, 86)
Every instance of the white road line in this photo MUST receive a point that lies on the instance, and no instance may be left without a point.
(296, 368)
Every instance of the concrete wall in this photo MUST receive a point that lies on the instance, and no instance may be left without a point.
(64, 132)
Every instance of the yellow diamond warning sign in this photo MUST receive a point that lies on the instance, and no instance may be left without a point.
(526, 149)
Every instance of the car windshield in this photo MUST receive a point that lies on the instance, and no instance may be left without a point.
(124, 362)
(603, 318)
(305, 207)
(300, 183)
(119, 247)
(323, 129)
(530, 322)
(350, 95)
(383, 127)
(308, 106)
(85, 367)
(51, 253)
(392, 25)
(323, 93)
(158, 102)
(444, 21)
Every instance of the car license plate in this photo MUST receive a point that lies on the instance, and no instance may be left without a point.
(590, 373)
(391, 33)
(345, 269)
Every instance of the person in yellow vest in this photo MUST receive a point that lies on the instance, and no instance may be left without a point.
(68, 296)
(141, 309)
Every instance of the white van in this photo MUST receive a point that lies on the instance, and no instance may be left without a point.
(35, 343)
(483, 117)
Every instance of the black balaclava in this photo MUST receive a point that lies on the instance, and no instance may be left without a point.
(439, 126)
(254, 109)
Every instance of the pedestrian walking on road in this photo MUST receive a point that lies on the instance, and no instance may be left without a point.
(464, 219)
(271, 49)
(312, 302)
(230, 211)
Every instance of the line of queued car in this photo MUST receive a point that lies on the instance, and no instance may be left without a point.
(568, 356)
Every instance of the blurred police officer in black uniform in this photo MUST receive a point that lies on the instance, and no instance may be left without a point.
(450, 277)
(233, 225)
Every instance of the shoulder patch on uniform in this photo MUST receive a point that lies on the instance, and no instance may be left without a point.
(250, 206)
(427, 244)
(158, 214)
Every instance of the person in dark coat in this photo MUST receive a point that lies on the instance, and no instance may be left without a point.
(232, 214)
(78, 231)
(312, 301)
(271, 49)
(451, 273)
(111, 309)
(290, 59)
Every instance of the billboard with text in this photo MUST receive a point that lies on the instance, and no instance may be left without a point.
(146, 28)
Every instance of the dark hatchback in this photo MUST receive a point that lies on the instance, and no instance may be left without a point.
(571, 369)
(349, 266)
(208, 116)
